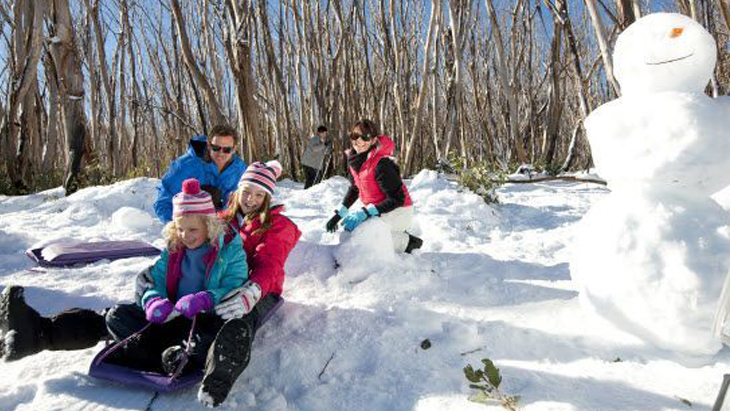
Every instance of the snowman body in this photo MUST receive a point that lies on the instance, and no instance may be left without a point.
(651, 257)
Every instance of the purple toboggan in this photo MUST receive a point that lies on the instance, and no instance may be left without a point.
(65, 254)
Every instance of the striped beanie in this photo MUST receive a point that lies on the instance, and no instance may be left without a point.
(191, 200)
(263, 175)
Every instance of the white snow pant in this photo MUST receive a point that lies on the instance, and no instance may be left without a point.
(399, 221)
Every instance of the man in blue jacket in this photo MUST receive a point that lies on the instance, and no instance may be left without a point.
(213, 161)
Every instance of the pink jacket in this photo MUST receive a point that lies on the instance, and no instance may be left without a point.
(370, 192)
(267, 253)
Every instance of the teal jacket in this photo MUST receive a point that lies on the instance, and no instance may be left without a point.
(226, 270)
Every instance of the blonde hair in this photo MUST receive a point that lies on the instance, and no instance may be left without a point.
(263, 212)
(213, 225)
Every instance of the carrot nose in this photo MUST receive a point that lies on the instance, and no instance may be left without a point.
(676, 32)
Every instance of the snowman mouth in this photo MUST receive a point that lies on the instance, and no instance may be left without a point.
(669, 61)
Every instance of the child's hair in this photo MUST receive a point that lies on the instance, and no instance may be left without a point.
(213, 224)
(263, 213)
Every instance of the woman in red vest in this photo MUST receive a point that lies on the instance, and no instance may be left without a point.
(375, 180)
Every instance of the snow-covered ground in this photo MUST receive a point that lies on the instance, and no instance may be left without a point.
(490, 282)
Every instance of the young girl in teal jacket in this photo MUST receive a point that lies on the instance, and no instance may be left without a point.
(201, 264)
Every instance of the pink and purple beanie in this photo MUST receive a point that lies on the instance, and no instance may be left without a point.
(263, 175)
(191, 200)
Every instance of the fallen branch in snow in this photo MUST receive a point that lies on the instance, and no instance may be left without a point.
(554, 178)
(471, 352)
(321, 373)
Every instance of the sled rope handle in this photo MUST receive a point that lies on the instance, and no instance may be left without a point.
(121, 343)
(186, 353)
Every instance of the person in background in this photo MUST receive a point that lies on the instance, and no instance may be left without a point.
(375, 180)
(316, 152)
(212, 161)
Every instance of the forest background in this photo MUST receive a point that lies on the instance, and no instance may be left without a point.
(94, 91)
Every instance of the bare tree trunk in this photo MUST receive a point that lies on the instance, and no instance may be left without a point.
(109, 89)
(423, 90)
(27, 36)
(71, 89)
(507, 86)
(602, 44)
(216, 115)
(51, 143)
(239, 56)
(134, 88)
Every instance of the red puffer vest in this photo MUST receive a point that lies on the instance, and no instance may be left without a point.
(267, 253)
(370, 192)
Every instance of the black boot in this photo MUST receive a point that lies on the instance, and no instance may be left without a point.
(414, 243)
(227, 357)
(24, 331)
(171, 358)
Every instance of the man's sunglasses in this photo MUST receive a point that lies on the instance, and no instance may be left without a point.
(217, 148)
(355, 136)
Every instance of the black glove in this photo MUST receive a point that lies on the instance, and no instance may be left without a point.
(332, 223)
(215, 194)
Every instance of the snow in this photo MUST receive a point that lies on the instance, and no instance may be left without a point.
(652, 256)
(490, 282)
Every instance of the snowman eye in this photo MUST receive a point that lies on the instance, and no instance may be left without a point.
(676, 32)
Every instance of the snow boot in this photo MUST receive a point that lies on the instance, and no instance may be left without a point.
(414, 243)
(227, 357)
(25, 332)
(171, 359)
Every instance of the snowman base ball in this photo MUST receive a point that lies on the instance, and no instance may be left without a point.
(655, 270)
(650, 257)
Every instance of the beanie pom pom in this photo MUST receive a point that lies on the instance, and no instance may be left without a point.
(191, 186)
(276, 166)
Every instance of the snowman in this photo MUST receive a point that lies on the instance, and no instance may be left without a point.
(652, 256)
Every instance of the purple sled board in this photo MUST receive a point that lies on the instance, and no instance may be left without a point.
(152, 380)
(85, 253)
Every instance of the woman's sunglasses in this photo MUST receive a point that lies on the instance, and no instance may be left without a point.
(355, 136)
(217, 148)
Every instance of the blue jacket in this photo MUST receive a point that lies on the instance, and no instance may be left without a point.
(193, 165)
(226, 269)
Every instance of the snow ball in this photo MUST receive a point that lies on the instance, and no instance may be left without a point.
(370, 244)
(132, 219)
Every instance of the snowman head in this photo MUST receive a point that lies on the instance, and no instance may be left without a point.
(663, 52)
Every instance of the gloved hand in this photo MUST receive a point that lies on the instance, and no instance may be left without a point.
(339, 215)
(157, 309)
(239, 302)
(190, 305)
(355, 219)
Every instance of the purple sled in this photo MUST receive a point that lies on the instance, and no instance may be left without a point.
(152, 380)
(68, 254)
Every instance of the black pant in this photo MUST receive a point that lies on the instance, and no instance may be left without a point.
(145, 352)
(310, 174)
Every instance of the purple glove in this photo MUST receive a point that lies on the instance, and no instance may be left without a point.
(190, 305)
(157, 309)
